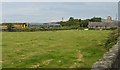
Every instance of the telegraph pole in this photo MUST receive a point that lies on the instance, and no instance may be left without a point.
(62, 19)
(116, 17)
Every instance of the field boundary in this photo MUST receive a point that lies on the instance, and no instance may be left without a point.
(110, 60)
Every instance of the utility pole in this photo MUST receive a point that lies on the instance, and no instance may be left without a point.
(116, 17)
(62, 19)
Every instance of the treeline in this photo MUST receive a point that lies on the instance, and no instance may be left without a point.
(38, 29)
(79, 22)
(72, 23)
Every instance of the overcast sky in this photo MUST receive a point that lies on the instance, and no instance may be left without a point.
(59, 0)
(54, 11)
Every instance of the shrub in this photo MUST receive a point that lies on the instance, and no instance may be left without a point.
(112, 39)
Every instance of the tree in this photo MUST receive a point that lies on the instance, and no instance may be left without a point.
(96, 19)
(84, 23)
(9, 26)
(70, 22)
(77, 22)
(71, 19)
(63, 23)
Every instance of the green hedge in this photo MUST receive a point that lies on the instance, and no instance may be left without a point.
(112, 39)
(40, 29)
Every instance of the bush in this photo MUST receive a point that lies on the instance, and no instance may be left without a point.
(112, 39)
(113, 28)
(91, 28)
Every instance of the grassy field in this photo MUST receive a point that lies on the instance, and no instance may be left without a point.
(53, 49)
(0, 50)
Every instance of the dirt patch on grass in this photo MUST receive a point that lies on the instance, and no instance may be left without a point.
(44, 63)
(79, 56)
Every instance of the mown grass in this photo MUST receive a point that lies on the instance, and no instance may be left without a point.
(53, 49)
(0, 50)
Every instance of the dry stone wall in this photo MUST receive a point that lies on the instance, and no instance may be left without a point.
(110, 60)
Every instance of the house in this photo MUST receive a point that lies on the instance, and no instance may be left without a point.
(35, 25)
(3, 27)
(14, 25)
(39, 25)
(20, 25)
(109, 23)
(102, 25)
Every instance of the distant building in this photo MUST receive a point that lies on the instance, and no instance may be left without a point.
(3, 27)
(20, 25)
(109, 19)
(38, 25)
(106, 24)
(14, 25)
(102, 25)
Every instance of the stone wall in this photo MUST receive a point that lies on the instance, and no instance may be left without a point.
(110, 60)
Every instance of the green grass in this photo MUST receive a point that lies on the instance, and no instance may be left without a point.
(53, 49)
(0, 50)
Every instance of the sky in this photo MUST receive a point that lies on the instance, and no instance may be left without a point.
(59, 0)
(54, 11)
